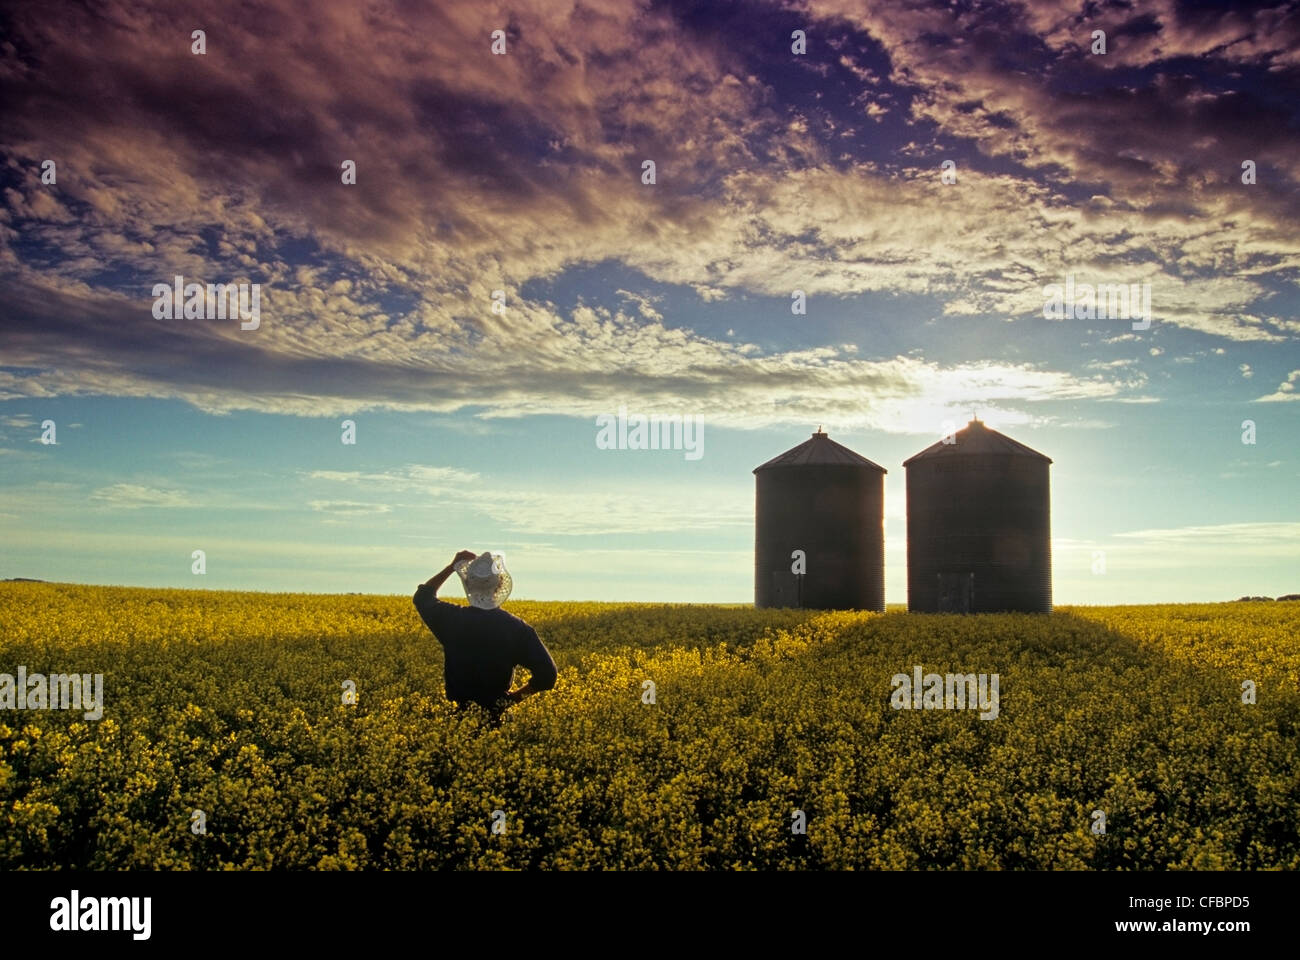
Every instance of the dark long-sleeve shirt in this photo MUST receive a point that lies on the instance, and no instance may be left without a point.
(481, 649)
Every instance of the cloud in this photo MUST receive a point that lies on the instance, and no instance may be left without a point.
(479, 173)
(1196, 563)
(1285, 390)
(348, 508)
(600, 508)
(1227, 552)
(538, 568)
(1088, 423)
(581, 365)
(133, 496)
(611, 509)
(1246, 372)
(194, 460)
(1283, 535)
(410, 477)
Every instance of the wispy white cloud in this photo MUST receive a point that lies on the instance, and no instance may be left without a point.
(601, 507)
(1285, 391)
(133, 496)
(1231, 550)
(349, 508)
(1283, 533)
(411, 477)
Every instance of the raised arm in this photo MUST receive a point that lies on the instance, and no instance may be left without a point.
(436, 581)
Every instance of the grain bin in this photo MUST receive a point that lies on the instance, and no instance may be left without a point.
(978, 525)
(823, 499)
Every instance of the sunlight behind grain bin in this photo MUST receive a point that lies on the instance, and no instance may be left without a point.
(978, 526)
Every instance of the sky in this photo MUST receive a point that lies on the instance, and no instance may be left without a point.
(500, 272)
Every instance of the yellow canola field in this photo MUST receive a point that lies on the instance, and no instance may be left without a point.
(232, 704)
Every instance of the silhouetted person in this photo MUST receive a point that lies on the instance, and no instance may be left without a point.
(481, 643)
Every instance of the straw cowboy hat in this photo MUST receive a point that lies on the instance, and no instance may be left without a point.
(486, 582)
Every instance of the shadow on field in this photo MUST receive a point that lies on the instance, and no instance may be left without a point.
(1051, 647)
(1057, 640)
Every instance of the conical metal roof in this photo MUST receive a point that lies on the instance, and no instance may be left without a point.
(973, 439)
(819, 451)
